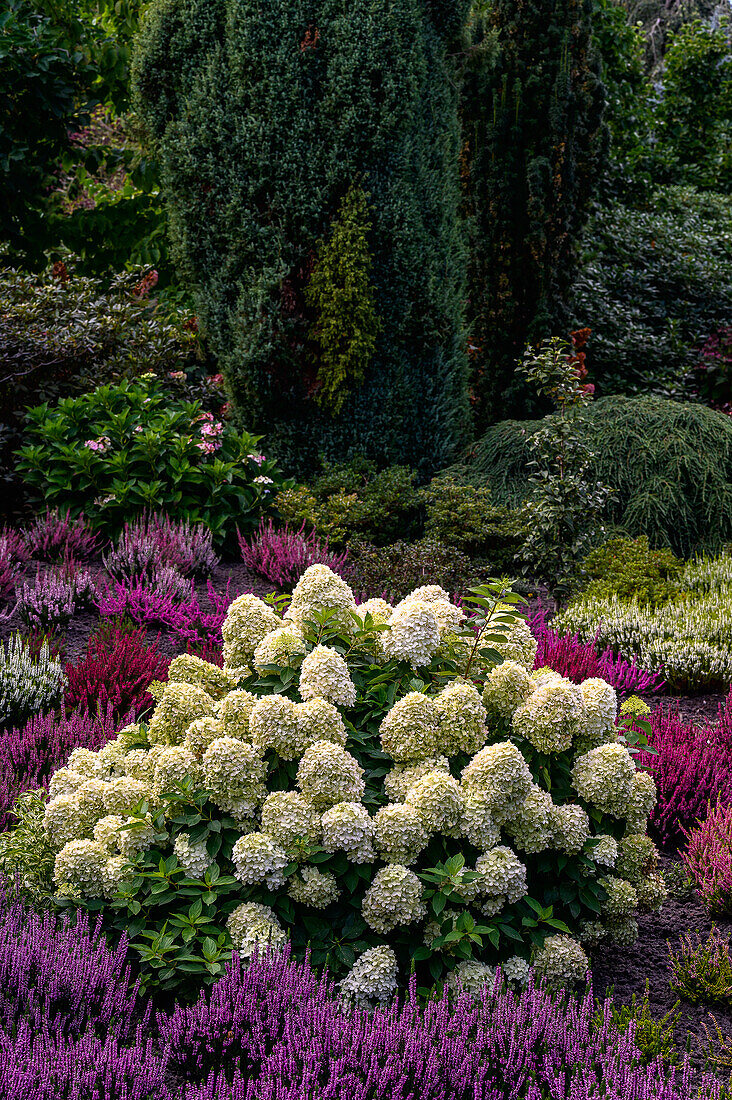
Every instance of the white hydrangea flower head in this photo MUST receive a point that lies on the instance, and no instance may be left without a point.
(87, 763)
(201, 733)
(140, 764)
(278, 647)
(234, 772)
(516, 971)
(410, 731)
(114, 872)
(258, 859)
(348, 827)
(314, 888)
(413, 634)
(643, 797)
(399, 835)
(319, 720)
(289, 819)
(507, 687)
(605, 851)
(403, 776)
(173, 765)
(273, 724)
(187, 668)
(373, 977)
(137, 839)
(472, 977)
(254, 929)
(394, 898)
(545, 675)
(235, 711)
(561, 962)
(90, 800)
(519, 645)
(477, 823)
(551, 717)
(501, 771)
(107, 831)
(62, 820)
(193, 858)
(180, 705)
(327, 774)
(624, 933)
(122, 795)
(531, 827)
(247, 622)
(637, 857)
(570, 828)
(604, 776)
(449, 616)
(601, 708)
(379, 610)
(320, 589)
(461, 717)
(80, 864)
(437, 798)
(622, 899)
(114, 755)
(324, 674)
(65, 782)
(651, 892)
(591, 933)
(502, 875)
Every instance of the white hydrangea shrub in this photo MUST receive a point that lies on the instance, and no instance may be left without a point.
(346, 768)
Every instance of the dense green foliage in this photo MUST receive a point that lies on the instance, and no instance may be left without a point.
(263, 118)
(669, 466)
(531, 109)
(630, 569)
(129, 448)
(466, 517)
(395, 570)
(354, 501)
(656, 283)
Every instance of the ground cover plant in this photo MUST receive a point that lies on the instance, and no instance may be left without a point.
(688, 637)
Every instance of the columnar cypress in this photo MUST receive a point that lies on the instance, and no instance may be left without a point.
(532, 141)
(264, 116)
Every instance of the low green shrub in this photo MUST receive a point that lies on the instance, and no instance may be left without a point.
(668, 463)
(702, 970)
(389, 788)
(654, 1037)
(689, 638)
(354, 500)
(630, 569)
(465, 516)
(129, 448)
(393, 571)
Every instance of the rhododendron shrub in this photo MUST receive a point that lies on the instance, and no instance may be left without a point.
(388, 787)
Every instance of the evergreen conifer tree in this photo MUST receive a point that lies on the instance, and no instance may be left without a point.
(265, 116)
(532, 144)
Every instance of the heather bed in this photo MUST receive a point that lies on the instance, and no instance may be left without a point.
(112, 666)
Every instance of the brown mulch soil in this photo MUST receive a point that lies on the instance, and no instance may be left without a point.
(624, 971)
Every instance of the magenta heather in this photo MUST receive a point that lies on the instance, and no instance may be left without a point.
(30, 755)
(275, 1031)
(115, 672)
(153, 540)
(579, 661)
(692, 770)
(53, 537)
(281, 555)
